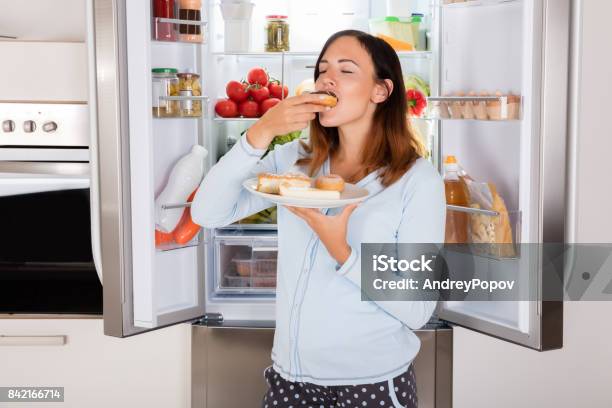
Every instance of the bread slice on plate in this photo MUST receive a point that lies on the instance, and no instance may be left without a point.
(269, 182)
(289, 189)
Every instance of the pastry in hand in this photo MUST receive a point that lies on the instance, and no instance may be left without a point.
(331, 182)
(330, 99)
(269, 182)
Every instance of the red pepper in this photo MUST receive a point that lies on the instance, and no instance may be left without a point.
(416, 102)
(186, 228)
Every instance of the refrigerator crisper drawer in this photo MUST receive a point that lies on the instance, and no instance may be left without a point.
(245, 264)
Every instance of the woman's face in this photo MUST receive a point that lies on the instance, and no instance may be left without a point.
(347, 70)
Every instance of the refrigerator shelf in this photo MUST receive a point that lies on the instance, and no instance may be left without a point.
(184, 98)
(481, 108)
(180, 106)
(471, 210)
(168, 30)
(220, 119)
(179, 21)
(489, 234)
(428, 118)
(472, 3)
(250, 227)
(314, 54)
(173, 246)
(494, 252)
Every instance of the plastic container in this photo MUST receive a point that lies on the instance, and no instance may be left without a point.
(396, 32)
(277, 33)
(237, 18)
(190, 10)
(456, 194)
(418, 31)
(189, 85)
(164, 9)
(185, 176)
(164, 83)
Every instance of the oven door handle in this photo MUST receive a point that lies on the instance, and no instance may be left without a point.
(17, 178)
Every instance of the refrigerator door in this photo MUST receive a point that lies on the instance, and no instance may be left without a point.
(521, 47)
(144, 288)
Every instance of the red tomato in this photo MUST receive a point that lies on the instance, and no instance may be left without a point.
(226, 108)
(276, 91)
(259, 93)
(258, 76)
(267, 104)
(237, 91)
(249, 109)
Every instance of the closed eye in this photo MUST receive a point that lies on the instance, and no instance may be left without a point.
(346, 72)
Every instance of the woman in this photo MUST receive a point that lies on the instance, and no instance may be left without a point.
(331, 348)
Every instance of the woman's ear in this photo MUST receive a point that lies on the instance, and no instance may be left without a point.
(382, 91)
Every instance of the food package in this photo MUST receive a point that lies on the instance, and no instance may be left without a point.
(492, 234)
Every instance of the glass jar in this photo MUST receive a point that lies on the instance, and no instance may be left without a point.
(277, 33)
(189, 85)
(164, 9)
(190, 10)
(165, 83)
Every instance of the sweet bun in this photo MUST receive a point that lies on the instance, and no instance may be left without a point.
(269, 182)
(330, 98)
(331, 182)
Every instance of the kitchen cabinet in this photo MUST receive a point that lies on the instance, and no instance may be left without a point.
(96, 370)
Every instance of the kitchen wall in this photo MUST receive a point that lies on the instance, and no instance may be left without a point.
(488, 372)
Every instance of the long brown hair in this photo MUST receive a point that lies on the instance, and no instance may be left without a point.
(393, 146)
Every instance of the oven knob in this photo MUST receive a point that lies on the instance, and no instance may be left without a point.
(49, 127)
(8, 126)
(29, 126)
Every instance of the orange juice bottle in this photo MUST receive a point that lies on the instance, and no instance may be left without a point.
(456, 194)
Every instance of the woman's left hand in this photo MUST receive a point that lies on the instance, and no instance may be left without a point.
(331, 229)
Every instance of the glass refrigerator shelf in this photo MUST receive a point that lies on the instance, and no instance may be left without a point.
(472, 3)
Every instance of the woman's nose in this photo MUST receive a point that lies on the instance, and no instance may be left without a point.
(328, 81)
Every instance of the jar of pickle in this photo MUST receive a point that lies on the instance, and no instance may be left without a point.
(165, 83)
(277, 33)
(189, 85)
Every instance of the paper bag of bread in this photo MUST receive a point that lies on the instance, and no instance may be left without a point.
(492, 234)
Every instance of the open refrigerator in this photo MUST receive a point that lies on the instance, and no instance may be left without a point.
(225, 277)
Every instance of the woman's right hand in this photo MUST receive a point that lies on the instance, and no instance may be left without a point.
(291, 114)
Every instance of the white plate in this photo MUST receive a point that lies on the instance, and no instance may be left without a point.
(351, 194)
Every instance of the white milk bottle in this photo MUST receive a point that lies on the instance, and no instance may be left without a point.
(185, 176)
